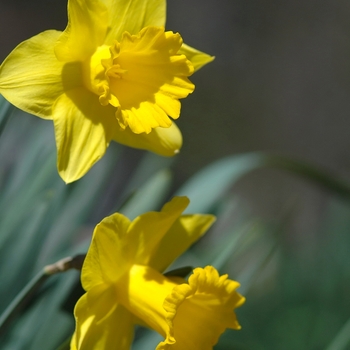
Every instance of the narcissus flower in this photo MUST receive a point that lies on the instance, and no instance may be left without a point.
(122, 276)
(113, 74)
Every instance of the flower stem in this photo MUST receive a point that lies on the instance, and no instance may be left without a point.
(26, 294)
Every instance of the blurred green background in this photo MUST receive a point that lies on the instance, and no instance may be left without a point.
(280, 83)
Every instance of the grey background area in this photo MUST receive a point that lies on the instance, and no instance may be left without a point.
(280, 82)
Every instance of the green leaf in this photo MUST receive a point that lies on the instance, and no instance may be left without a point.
(150, 196)
(207, 186)
(342, 339)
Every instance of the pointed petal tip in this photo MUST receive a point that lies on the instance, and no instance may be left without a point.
(66, 177)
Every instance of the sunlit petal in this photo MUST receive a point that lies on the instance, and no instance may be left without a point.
(32, 79)
(83, 130)
(163, 141)
(186, 230)
(142, 291)
(132, 16)
(147, 230)
(86, 30)
(108, 252)
(97, 315)
(197, 58)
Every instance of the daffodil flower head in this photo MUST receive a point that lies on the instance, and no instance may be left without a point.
(114, 73)
(122, 276)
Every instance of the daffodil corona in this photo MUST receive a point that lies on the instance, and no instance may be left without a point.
(143, 76)
(113, 74)
(122, 276)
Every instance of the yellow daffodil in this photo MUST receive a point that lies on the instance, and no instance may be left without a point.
(122, 276)
(114, 73)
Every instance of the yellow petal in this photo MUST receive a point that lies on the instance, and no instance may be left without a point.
(200, 311)
(32, 78)
(197, 58)
(101, 323)
(83, 130)
(131, 16)
(147, 230)
(86, 30)
(163, 141)
(184, 232)
(105, 260)
(142, 291)
(117, 243)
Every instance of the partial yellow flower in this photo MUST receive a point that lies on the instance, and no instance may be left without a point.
(122, 276)
(113, 74)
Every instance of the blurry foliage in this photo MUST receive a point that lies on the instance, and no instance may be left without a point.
(298, 297)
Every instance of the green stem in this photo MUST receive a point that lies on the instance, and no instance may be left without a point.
(21, 300)
(26, 294)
